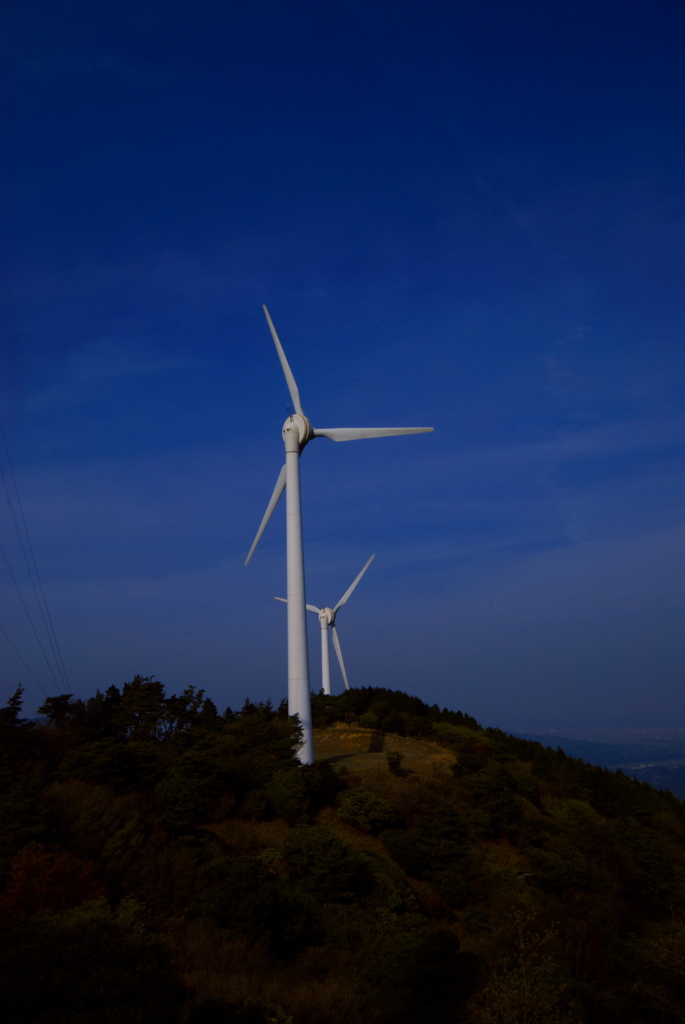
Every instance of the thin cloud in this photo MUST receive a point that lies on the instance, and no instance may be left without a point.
(100, 363)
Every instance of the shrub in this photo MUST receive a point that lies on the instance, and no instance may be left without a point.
(195, 788)
(42, 881)
(529, 987)
(90, 964)
(305, 789)
(366, 810)
(407, 851)
(394, 722)
(115, 763)
(324, 866)
(248, 1011)
(453, 883)
(246, 896)
(23, 816)
(425, 971)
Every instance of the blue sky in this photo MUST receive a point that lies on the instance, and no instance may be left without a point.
(467, 216)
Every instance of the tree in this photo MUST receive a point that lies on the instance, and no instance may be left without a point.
(526, 988)
(243, 894)
(15, 732)
(180, 713)
(9, 715)
(94, 718)
(141, 710)
(89, 964)
(56, 709)
(367, 810)
(323, 866)
(40, 880)
(663, 986)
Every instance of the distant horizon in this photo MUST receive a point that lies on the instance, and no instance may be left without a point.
(589, 733)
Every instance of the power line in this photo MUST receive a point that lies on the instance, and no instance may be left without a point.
(49, 629)
(23, 550)
(55, 649)
(28, 616)
(23, 662)
(28, 568)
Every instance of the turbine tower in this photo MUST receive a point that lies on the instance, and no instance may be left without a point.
(326, 620)
(297, 432)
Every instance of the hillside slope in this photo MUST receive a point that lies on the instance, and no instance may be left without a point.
(162, 861)
(363, 750)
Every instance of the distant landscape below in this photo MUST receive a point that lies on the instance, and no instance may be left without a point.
(656, 756)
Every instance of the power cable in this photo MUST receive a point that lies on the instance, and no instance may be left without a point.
(28, 567)
(55, 648)
(49, 629)
(28, 616)
(23, 662)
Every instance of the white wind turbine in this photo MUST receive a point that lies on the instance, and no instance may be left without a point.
(326, 620)
(297, 432)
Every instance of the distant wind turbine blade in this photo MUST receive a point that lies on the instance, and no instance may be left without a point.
(359, 433)
(278, 491)
(336, 644)
(349, 590)
(290, 380)
(283, 599)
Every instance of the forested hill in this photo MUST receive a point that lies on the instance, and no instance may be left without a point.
(160, 861)
(657, 757)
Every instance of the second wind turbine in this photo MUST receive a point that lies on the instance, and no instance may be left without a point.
(297, 432)
(327, 621)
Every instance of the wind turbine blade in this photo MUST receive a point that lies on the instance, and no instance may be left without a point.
(290, 380)
(349, 590)
(336, 644)
(309, 607)
(359, 433)
(278, 491)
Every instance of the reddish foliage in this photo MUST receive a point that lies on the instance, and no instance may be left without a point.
(40, 881)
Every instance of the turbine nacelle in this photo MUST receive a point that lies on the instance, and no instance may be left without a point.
(304, 428)
(326, 617)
